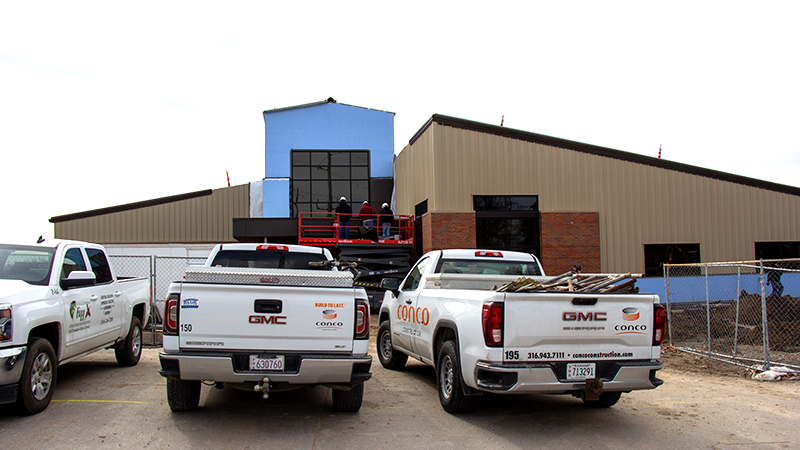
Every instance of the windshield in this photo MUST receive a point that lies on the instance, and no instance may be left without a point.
(266, 259)
(489, 267)
(27, 263)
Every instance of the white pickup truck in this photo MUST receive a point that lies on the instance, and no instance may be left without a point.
(455, 311)
(60, 300)
(266, 317)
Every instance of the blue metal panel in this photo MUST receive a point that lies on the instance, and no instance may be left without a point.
(327, 126)
(276, 197)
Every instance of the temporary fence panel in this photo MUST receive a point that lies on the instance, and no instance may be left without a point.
(745, 312)
(161, 271)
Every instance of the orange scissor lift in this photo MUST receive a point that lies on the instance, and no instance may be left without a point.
(376, 256)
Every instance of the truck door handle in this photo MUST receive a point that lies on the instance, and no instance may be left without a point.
(408, 302)
(93, 298)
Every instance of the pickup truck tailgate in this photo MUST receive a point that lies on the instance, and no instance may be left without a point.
(573, 326)
(254, 309)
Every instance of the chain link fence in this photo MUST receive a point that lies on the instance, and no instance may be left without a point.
(746, 312)
(161, 271)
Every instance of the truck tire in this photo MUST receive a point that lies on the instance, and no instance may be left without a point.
(387, 355)
(38, 377)
(449, 382)
(130, 351)
(183, 395)
(607, 399)
(348, 401)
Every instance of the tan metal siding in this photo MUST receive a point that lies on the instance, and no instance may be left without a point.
(638, 204)
(205, 219)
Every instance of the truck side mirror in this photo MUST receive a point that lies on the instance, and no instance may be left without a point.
(78, 278)
(390, 284)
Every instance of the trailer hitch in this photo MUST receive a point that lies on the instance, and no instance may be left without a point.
(263, 387)
(593, 389)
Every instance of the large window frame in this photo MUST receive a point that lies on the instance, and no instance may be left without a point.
(656, 255)
(777, 250)
(507, 222)
(320, 177)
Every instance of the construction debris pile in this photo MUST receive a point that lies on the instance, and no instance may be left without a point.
(571, 282)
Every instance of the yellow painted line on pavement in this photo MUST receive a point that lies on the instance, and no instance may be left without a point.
(101, 401)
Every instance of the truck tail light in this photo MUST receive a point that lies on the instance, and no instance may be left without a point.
(171, 314)
(6, 329)
(493, 324)
(659, 323)
(489, 254)
(281, 248)
(362, 319)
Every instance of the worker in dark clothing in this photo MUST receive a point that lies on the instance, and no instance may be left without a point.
(344, 212)
(386, 219)
(774, 280)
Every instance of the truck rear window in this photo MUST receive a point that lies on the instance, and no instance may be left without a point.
(267, 259)
(488, 267)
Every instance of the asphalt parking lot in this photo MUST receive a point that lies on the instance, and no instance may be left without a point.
(98, 404)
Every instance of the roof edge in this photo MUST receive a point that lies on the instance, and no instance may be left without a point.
(323, 102)
(129, 206)
(602, 151)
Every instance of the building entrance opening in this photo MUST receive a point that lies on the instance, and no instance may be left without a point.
(507, 222)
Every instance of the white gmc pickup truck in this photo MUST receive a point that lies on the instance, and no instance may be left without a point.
(60, 300)
(266, 317)
(458, 311)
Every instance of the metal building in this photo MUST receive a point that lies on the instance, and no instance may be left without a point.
(473, 184)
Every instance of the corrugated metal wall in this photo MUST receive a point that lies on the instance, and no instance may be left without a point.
(205, 219)
(638, 204)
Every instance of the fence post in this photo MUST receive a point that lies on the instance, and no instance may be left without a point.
(764, 326)
(153, 304)
(708, 312)
(736, 323)
(669, 305)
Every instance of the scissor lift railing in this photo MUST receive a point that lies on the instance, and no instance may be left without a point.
(328, 230)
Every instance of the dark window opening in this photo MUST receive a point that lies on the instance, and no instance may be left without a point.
(507, 222)
(656, 255)
(777, 250)
(321, 177)
(420, 209)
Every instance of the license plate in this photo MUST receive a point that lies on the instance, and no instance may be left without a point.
(580, 371)
(273, 363)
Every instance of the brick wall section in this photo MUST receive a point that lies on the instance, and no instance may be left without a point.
(568, 238)
(448, 230)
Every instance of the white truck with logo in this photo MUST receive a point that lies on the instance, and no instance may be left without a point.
(263, 318)
(60, 300)
(488, 322)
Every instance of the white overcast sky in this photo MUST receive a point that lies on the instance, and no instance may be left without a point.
(105, 103)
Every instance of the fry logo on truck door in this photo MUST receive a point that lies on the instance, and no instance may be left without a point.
(414, 315)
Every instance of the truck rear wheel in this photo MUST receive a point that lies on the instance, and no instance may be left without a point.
(130, 351)
(38, 377)
(607, 399)
(183, 395)
(449, 381)
(388, 356)
(348, 401)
